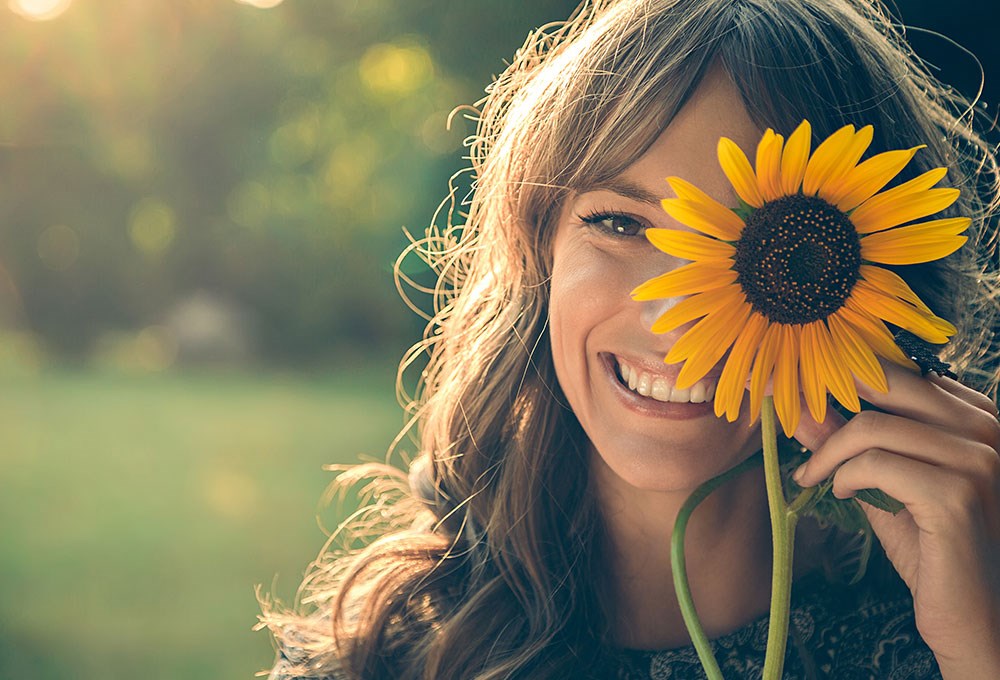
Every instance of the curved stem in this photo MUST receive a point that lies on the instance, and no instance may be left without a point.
(679, 567)
(782, 541)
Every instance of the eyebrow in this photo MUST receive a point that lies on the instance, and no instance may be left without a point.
(624, 187)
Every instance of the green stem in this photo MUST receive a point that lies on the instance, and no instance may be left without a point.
(679, 567)
(783, 541)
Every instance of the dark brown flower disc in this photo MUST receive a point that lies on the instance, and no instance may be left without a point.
(797, 259)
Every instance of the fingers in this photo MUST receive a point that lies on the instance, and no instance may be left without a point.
(940, 402)
(927, 491)
(977, 399)
(913, 396)
(902, 436)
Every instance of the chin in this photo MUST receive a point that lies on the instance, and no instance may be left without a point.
(675, 466)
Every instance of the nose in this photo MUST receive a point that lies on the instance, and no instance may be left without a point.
(651, 310)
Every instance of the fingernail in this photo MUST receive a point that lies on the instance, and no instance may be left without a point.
(800, 473)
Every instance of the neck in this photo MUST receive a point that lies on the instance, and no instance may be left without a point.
(728, 556)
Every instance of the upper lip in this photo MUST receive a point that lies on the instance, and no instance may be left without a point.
(661, 369)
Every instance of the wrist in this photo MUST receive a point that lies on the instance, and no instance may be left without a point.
(980, 662)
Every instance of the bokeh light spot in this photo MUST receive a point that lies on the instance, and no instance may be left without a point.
(152, 349)
(261, 4)
(349, 169)
(155, 348)
(152, 226)
(436, 136)
(59, 247)
(294, 142)
(390, 69)
(39, 10)
(229, 493)
(249, 204)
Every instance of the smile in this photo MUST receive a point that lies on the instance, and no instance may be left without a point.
(662, 388)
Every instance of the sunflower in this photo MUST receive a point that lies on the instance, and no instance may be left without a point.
(791, 283)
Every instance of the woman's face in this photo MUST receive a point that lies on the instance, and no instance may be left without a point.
(609, 364)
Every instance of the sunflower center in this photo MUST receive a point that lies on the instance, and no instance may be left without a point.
(797, 259)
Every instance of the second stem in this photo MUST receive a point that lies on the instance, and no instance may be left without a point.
(783, 542)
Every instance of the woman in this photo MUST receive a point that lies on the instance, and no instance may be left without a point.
(532, 538)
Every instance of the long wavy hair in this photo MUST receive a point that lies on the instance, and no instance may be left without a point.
(486, 559)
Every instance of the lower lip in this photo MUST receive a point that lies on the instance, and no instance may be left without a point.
(648, 406)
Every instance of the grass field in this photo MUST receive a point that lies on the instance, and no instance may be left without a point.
(138, 512)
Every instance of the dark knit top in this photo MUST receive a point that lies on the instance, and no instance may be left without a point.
(859, 632)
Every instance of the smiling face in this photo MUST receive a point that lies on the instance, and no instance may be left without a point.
(609, 364)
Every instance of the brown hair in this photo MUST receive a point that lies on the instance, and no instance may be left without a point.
(489, 554)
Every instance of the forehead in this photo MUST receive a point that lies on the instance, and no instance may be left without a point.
(687, 148)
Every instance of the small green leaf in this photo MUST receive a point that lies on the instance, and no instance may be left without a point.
(880, 500)
(744, 210)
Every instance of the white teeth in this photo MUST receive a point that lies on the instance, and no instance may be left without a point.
(659, 388)
(643, 385)
(680, 396)
(698, 393)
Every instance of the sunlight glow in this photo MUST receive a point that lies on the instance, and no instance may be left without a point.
(261, 4)
(39, 10)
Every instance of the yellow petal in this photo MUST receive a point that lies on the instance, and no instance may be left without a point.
(916, 243)
(874, 333)
(915, 254)
(877, 203)
(824, 159)
(893, 284)
(688, 245)
(786, 380)
(916, 185)
(739, 171)
(769, 165)
(900, 313)
(696, 307)
(763, 367)
(702, 346)
(859, 356)
(691, 278)
(905, 208)
(794, 158)
(836, 374)
(846, 162)
(712, 218)
(813, 385)
(732, 382)
(712, 336)
(870, 177)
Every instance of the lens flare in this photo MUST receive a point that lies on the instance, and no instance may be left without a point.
(261, 4)
(39, 10)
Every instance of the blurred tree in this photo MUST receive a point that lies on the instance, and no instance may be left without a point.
(152, 150)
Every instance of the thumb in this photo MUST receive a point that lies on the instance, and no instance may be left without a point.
(812, 434)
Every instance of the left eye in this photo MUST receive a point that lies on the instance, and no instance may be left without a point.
(619, 225)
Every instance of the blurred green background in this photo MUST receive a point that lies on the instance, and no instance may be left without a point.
(200, 204)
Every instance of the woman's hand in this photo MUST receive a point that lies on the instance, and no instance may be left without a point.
(936, 449)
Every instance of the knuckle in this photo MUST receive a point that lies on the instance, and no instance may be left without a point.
(866, 423)
(987, 461)
(985, 428)
(872, 459)
(963, 495)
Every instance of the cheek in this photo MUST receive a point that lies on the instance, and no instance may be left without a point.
(588, 296)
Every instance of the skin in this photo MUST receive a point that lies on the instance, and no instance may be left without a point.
(935, 449)
(645, 467)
